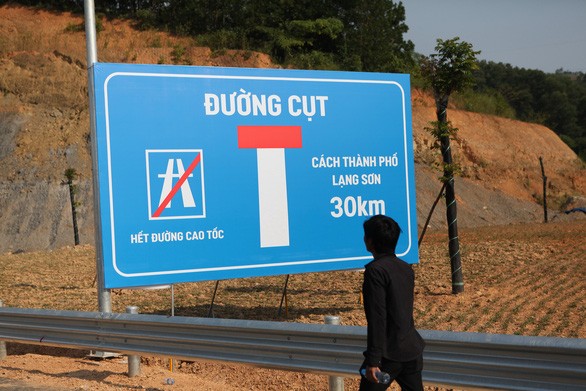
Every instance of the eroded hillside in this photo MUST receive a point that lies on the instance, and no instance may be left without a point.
(44, 129)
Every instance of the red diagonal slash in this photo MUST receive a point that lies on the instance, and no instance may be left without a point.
(177, 186)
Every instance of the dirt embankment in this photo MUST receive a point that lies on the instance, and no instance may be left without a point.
(44, 129)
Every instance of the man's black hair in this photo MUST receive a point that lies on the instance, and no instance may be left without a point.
(384, 233)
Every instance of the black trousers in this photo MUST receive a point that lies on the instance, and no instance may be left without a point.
(406, 374)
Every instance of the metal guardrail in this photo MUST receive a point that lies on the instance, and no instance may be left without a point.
(468, 360)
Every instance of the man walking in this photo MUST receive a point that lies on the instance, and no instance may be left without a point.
(393, 344)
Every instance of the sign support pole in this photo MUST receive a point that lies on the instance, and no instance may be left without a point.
(104, 298)
(211, 310)
(284, 298)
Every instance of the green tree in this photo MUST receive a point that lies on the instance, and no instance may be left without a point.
(361, 35)
(556, 100)
(374, 37)
(449, 70)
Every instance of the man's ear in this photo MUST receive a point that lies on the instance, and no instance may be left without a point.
(368, 244)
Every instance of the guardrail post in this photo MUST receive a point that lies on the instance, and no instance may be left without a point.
(2, 343)
(133, 359)
(336, 382)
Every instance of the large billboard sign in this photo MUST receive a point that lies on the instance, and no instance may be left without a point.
(213, 173)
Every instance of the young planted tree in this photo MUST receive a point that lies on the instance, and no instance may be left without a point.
(449, 70)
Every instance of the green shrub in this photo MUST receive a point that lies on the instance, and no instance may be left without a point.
(79, 27)
(314, 60)
(75, 27)
(156, 42)
(177, 54)
(146, 20)
(223, 39)
(487, 103)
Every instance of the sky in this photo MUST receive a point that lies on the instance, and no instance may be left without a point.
(535, 34)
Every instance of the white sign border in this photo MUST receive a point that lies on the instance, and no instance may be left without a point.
(271, 78)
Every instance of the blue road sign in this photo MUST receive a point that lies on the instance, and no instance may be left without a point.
(213, 173)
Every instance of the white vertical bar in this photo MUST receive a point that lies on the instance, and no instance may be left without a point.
(272, 194)
(186, 194)
(167, 183)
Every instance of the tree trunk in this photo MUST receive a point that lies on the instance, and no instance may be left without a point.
(451, 205)
(544, 178)
(73, 211)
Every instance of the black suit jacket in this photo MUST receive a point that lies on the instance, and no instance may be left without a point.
(388, 305)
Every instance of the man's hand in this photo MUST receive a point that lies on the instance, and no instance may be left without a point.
(371, 374)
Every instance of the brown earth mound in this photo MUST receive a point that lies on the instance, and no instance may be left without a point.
(44, 130)
(42, 62)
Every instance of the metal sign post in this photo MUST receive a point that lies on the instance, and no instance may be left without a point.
(104, 298)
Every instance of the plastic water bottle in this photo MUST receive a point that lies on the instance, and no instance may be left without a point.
(170, 381)
(382, 377)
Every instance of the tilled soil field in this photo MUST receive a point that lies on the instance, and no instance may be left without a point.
(519, 279)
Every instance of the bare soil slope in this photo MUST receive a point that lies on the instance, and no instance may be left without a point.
(44, 129)
(44, 84)
(503, 154)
